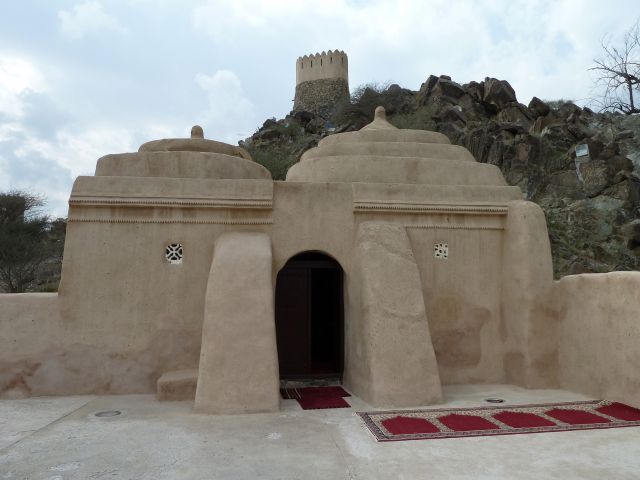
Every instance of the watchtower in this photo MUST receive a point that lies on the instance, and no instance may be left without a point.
(322, 82)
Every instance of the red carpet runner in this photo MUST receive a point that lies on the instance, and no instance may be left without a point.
(503, 420)
(315, 398)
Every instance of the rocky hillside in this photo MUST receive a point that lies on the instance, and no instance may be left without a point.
(592, 202)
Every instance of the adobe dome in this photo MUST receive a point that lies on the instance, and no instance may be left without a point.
(197, 143)
(382, 153)
(195, 157)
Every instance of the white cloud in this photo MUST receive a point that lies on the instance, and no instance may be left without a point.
(542, 47)
(77, 151)
(229, 115)
(48, 166)
(4, 174)
(153, 131)
(17, 76)
(374, 25)
(87, 18)
(8, 131)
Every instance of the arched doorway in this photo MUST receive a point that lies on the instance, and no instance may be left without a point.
(309, 312)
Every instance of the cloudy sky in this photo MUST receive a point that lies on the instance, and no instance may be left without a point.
(80, 79)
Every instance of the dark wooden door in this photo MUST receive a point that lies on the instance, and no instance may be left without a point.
(309, 317)
(293, 322)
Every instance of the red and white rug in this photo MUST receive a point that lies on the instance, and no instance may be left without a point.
(503, 420)
(315, 398)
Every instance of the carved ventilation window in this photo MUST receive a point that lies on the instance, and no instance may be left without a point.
(173, 253)
(441, 251)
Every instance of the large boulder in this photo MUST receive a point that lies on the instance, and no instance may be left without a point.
(425, 90)
(447, 88)
(396, 99)
(475, 90)
(498, 93)
(632, 232)
(538, 107)
(302, 116)
(515, 113)
(441, 87)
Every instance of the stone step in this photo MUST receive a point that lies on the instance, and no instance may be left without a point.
(178, 385)
(311, 382)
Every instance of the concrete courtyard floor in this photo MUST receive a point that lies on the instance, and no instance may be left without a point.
(59, 438)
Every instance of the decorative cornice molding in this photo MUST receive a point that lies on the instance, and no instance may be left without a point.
(267, 221)
(150, 202)
(411, 207)
(457, 227)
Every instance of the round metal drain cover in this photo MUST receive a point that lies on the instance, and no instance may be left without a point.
(494, 400)
(108, 413)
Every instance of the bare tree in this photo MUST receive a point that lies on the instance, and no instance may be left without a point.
(24, 240)
(618, 73)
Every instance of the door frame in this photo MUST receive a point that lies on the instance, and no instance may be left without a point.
(327, 262)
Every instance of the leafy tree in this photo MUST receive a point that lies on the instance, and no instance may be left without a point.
(24, 240)
(375, 87)
(618, 73)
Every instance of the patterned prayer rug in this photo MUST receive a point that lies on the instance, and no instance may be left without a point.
(503, 420)
(314, 398)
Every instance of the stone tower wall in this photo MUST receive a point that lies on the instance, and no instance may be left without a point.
(333, 64)
(322, 82)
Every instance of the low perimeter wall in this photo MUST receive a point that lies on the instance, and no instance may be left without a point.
(598, 327)
(29, 326)
(44, 352)
(600, 335)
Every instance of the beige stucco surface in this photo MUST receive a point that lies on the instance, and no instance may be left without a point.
(388, 135)
(194, 144)
(599, 318)
(30, 331)
(391, 360)
(462, 296)
(179, 165)
(398, 170)
(238, 369)
(178, 385)
(529, 326)
(388, 149)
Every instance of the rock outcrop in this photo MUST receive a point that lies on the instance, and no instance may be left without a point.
(591, 201)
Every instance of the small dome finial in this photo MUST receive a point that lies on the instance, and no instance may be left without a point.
(379, 121)
(197, 132)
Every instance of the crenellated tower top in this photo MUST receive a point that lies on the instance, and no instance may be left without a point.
(326, 65)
